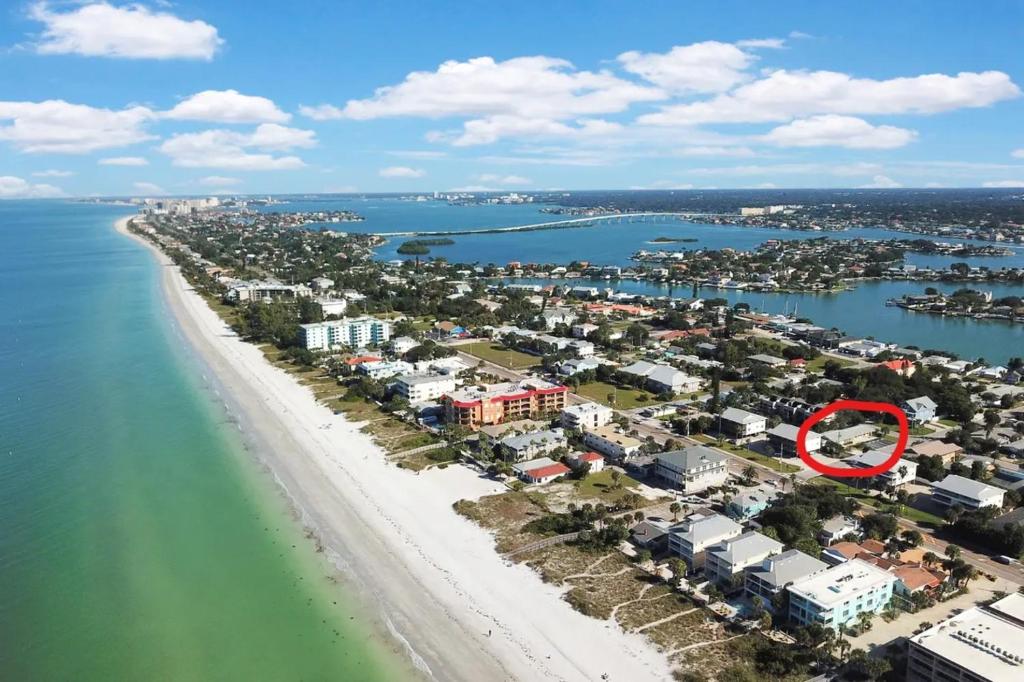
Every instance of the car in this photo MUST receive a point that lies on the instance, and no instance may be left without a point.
(1003, 559)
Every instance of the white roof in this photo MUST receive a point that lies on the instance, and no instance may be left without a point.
(968, 487)
(875, 457)
(746, 547)
(700, 529)
(734, 414)
(840, 583)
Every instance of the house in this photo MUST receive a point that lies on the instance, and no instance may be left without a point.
(527, 445)
(690, 539)
(335, 307)
(838, 595)
(966, 493)
(384, 370)
(749, 503)
(662, 378)
(919, 410)
(769, 360)
(650, 535)
(555, 316)
(903, 367)
(852, 435)
(837, 528)
(586, 416)
(420, 388)
(581, 349)
(844, 551)
(947, 452)
(609, 442)
(902, 472)
(583, 330)
(573, 366)
(724, 563)
(739, 424)
(540, 471)
(491, 434)
(692, 469)
(322, 283)
(776, 573)
(782, 439)
(980, 644)
(591, 459)
(913, 579)
(403, 344)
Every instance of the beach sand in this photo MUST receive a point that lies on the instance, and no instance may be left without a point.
(462, 611)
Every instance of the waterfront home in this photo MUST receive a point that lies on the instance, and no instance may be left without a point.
(590, 459)
(418, 388)
(902, 366)
(490, 434)
(838, 595)
(690, 539)
(540, 471)
(662, 378)
(919, 410)
(864, 348)
(900, 474)
(610, 442)
(838, 527)
(966, 493)
(692, 469)
(749, 503)
(523, 446)
(725, 562)
(782, 439)
(738, 424)
(776, 573)
(586, 416)
(650, 535)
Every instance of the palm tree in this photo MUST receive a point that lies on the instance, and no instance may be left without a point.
(674, 508)
(749, 472)
(930, 558)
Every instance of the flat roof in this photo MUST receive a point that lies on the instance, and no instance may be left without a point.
(840, 583)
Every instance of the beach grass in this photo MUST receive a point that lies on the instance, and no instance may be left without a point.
(499, 355)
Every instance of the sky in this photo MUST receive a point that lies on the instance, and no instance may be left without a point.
(257, 97)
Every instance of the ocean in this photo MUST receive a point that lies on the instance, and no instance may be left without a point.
(138, 538)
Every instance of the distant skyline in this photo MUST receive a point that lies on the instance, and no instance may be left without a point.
(110, 98)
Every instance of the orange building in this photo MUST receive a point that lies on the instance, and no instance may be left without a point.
(482, 405)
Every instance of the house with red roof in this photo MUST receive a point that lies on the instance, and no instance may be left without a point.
(578, 459)
(903, 367)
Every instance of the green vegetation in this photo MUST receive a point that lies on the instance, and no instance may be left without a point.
(499, 355)
(624, 398)
(602, 486)
(420, 247)
(818, 363)
(865, 497)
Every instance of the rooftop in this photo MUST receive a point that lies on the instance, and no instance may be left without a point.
(693, 457)
(967, 487)
(840, 583)
(700, 529)
(743, 548)
(783, 569)
(734, 414)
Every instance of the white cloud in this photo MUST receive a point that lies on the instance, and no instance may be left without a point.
(148, 188)
(1017, 153)
(123, 161)
(418, 154)
(401, 172)
(832, 130)
(233, 150)
(784, 95)
(712, 150)
(52, 173)
(704, 67)
(12, 187)
(321, 112)
(762, 43)
(882, 182)
(1004, 183)
(503, 180)
(100, 29)
(219, 181)
(61, 127)
(227, 106)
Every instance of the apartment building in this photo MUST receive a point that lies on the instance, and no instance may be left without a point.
(354, 332)
(478, 405)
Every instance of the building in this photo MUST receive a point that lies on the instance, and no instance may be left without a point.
(496, 403)
(851, 435)
(692, 469)
(581, 349)
(782, 439)
(354, 332)
(586, 416)
(332, 307)
(383, 370)
(966, 493)
(837, 528)
(981, 644)
(724, 563)
(690, 539)
(264, 292)
(662, 378)
(591, 459)
(555, 316)
(769, 360)
(652, 535)
(403, 344)
(529, 445)
(609, 442)
(540, 471)
(947, 452)
(840, 594)
(738, 424)
(776, 573)
(902, 472)
(749, 503)
(920, 410)
(421, 388)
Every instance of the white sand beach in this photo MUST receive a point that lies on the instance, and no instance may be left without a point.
(434, 575)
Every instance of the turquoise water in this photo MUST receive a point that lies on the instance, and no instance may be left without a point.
(137, 538)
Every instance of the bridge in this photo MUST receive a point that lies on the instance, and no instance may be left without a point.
(588, 221)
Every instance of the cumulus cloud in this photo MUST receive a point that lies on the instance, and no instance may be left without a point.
(704, 67)
(12, 187)
(62, 127)
(148, 188)
(321, 112)
(100, 29)
(123, 161)
(227, 106)
(881, 182)
(503, 180)
(1017, 153)
(784, 95)
(832, 130)
(1004, 183)
(401, 172)
(230, 149)
(53, 173)
(713, 150)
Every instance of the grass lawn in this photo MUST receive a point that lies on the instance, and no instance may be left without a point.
(599, 487)
(499, 355)
(950, 423)
(625, 398)
(746, 453)
(818, 363)
(921, 431)
(906, 511)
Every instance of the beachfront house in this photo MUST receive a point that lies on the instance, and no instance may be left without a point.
(586, 416)
(725, 562)
(837, 596)
(528, 445)
(540, 471)
(607, 440)
(690, 539)
(776, 573)
(418, 388)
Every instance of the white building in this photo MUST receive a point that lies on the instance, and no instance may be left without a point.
(332, 306)
(265, 292)
(901, 473)
(739, 423)
(540, 471)
(383, 370)
(838, 595)
(555, 316)
(583, 329)
(724, 563)
(690, 539)
(354, 332)
(981, 644)
(837, 528)
(692, 469)
(966, 492)
(581, 349)
(403, 344)
(610, 443)
(586, 416)
(520, 447)
(663, 378)
(421, 388)
(783, 440)
(592, 459)
(778, 572)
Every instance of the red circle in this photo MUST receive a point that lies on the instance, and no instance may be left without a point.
(860, 406)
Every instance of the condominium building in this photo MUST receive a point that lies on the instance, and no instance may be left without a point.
(354, 332)
(981, 644)
(609, 442)
(966, 493)
(496, 403)
(265, 292)
(724, 563)
(586, 416)
(420, 388)
(776, 573)
(691, 539)
(527, 445)
(692, 469)
(840, 594)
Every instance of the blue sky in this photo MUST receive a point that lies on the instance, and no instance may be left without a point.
(256, 97)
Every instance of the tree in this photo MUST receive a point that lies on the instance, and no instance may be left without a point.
(912, 538)
(750, 472)
(674, 508)
(616, 476)
(992, 420)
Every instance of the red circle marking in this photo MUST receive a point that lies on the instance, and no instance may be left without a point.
(860, 406)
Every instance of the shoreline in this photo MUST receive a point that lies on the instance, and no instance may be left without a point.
(460, 609)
